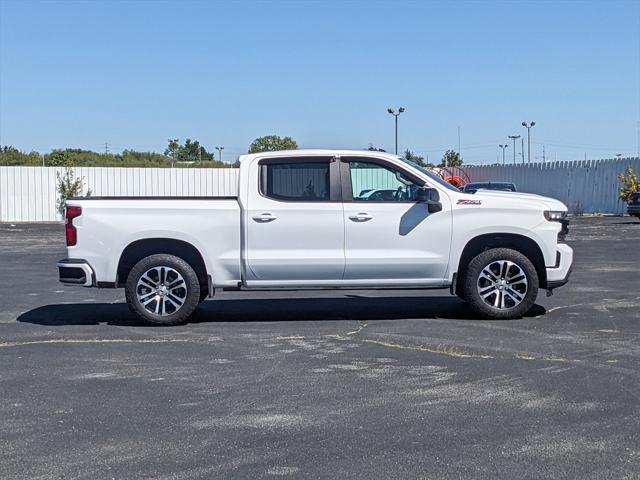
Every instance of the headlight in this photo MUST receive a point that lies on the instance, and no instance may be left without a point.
(554, 215)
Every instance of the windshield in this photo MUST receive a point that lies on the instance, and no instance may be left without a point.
(431, 175)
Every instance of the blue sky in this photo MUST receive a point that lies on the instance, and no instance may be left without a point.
(133, 74)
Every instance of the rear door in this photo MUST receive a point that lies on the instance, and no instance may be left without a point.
(295, 226)
(389, 237)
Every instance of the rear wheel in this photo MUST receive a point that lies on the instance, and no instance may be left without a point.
(501, 283)
(162, 289)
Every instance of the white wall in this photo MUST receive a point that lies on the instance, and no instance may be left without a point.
(585, 186)
(29, 194)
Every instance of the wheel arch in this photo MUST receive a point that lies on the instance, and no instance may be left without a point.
(525, 245)
(136, 251)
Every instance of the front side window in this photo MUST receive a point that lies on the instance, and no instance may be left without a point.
(296, 181)
(371, 182)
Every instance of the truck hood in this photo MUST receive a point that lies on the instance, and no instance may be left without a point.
(547, 203)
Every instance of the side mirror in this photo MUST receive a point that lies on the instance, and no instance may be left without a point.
(431, 197)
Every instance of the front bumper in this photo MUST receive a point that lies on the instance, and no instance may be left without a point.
(558, 275)
(76, 271)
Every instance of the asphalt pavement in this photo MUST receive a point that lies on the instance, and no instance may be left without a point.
(350, 384)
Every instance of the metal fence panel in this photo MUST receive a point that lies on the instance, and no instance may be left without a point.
(29, 194)
(589, 186)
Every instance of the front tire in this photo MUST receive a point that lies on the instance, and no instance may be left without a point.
(501, 283)
(162, 289)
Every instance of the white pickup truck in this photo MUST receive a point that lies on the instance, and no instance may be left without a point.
(318, 219)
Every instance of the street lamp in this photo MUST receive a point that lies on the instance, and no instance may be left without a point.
(528, 127)
(514, 138)
(220, 153)
(503, 147)
(396, 115)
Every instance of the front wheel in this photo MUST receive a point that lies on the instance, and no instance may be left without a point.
(501, 283)
(162, 289)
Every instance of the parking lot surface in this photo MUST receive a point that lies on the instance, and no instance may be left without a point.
(353, 384)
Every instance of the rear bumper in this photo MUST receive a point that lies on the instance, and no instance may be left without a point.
(633, 210)
(76, 271)
(558, 275)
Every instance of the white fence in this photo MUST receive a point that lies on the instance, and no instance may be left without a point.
(589, 186)
(29, 194)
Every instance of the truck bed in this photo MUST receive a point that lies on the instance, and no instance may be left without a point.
(109, 225)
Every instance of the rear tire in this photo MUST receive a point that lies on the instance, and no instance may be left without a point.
(162, 290)
(501, 283)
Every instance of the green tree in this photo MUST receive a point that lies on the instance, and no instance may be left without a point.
(409, 155)
(12, 156)
(451, 158)
(191, 151)
(68, 186)
(173, 148)
(59, 158)
(371, 148)
(630, 184)
(272, 143)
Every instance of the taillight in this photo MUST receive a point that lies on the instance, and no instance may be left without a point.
(70, 229)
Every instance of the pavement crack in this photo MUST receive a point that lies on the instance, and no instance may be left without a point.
(440, 350)
(361, 326)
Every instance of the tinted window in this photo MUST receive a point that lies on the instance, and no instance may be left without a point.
(296, 181)
(371, 182)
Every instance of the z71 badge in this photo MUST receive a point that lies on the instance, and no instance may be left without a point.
(469, 202)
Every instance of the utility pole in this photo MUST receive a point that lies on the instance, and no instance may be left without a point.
(528, 126)
(522, 149)
(396, 115)
(544, 157)
(503, 147)
(200, 153)
(514, 137)
(459, 153)
(106, 148)
(220, 153)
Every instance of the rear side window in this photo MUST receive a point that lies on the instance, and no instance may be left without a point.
(296, 181)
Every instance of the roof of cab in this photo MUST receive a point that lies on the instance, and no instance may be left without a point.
(318, 153)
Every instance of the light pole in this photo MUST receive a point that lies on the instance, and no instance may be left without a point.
(396, 115)
(528, 127)
(220, 153)
(503, 147)
(514, 138)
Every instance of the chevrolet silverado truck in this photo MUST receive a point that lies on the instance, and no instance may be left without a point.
(319, 219)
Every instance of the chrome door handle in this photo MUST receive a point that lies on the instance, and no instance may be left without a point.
(360, 217)
(264, 217)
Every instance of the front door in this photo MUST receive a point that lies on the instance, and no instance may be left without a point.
(295, 227)
(389, 237)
